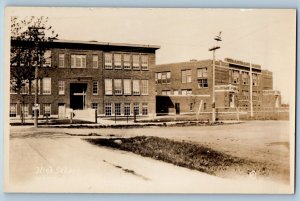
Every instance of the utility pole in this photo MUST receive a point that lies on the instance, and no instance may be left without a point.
(213, 49)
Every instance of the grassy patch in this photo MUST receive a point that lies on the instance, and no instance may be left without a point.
(186, 154)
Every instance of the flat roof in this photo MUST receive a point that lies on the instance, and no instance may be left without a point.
(106, 43)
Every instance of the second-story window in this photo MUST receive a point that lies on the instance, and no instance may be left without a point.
(245, 77)
(136, 62)
(61, 60)
(163, 77)
(108, 61)
(117, 86)
(127, 86)
(127, 62)
(78, 61)
(47, 57)
(108, 86)
(136, 87)
(95, 61)
(117, 61)
(144, 87)
(95, 88)
(186, 76)
(254, 79)
(235, 76)
(61, 87)
(46, 84)
(202, 77)
(145, 62)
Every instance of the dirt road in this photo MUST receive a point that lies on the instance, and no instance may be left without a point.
(51, 160)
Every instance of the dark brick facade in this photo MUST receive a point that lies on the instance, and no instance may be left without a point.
(232, 87)
(88, 75)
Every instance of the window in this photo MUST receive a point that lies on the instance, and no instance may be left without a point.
(117, 86)
(61, 60)
(235, 76)
(24, 110)
(202, 72)
(255, 79)
(136, 87)
(245, 77)
(127, 87)
(13, 86)
(47, 57)
(145, 62)
(108, 61)
(127, 109)
(127, 62)
(25, 87)
(117, 61)
(202, 77)
(144, 87)
(95, 88)
(163, 77)
(166, 92)
(47, 109)
(95, 61)
(61, 87)
(78, 61)
(202, 83)
(107, 109)
(204, 106)
(175, 92)
(144, 108)
(136, 108)
(186, 92)
(95, 106)
(33, 87)
(135, 62)
(108, 86)
(186, 76)
(191, 106)
(46, 85)
(13, 110)
(117, 109)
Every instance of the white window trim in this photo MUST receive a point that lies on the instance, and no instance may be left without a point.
(111, 86)
(63, 57)
(61, 92)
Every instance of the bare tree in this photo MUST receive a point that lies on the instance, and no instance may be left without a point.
(30, 39)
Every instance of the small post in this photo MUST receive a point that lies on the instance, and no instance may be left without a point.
(47, 119)
(115, 118)
(71, 117)
(134, 116)
(96, 120)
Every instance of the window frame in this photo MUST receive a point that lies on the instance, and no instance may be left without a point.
(108, 86)
(44, 91)
(61, 87)
(118, 83)
(95, 88)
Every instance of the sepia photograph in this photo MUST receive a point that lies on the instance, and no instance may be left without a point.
(149, 100)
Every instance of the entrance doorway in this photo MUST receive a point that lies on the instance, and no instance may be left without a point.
(61, 110)
(78, 96)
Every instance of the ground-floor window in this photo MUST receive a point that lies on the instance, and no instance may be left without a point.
(191, 106)
(145, 109)
(127, 109)
(13, 110)
(24, 110)
(136, 108)
(107, 109)
(95, 106)
(47, 109)
(118, 109)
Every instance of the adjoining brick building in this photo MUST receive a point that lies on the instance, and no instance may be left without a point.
(114, 78)
(186, 87)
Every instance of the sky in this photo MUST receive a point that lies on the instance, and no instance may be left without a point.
(265, 37)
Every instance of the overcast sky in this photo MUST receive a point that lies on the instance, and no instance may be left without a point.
(265, 37)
